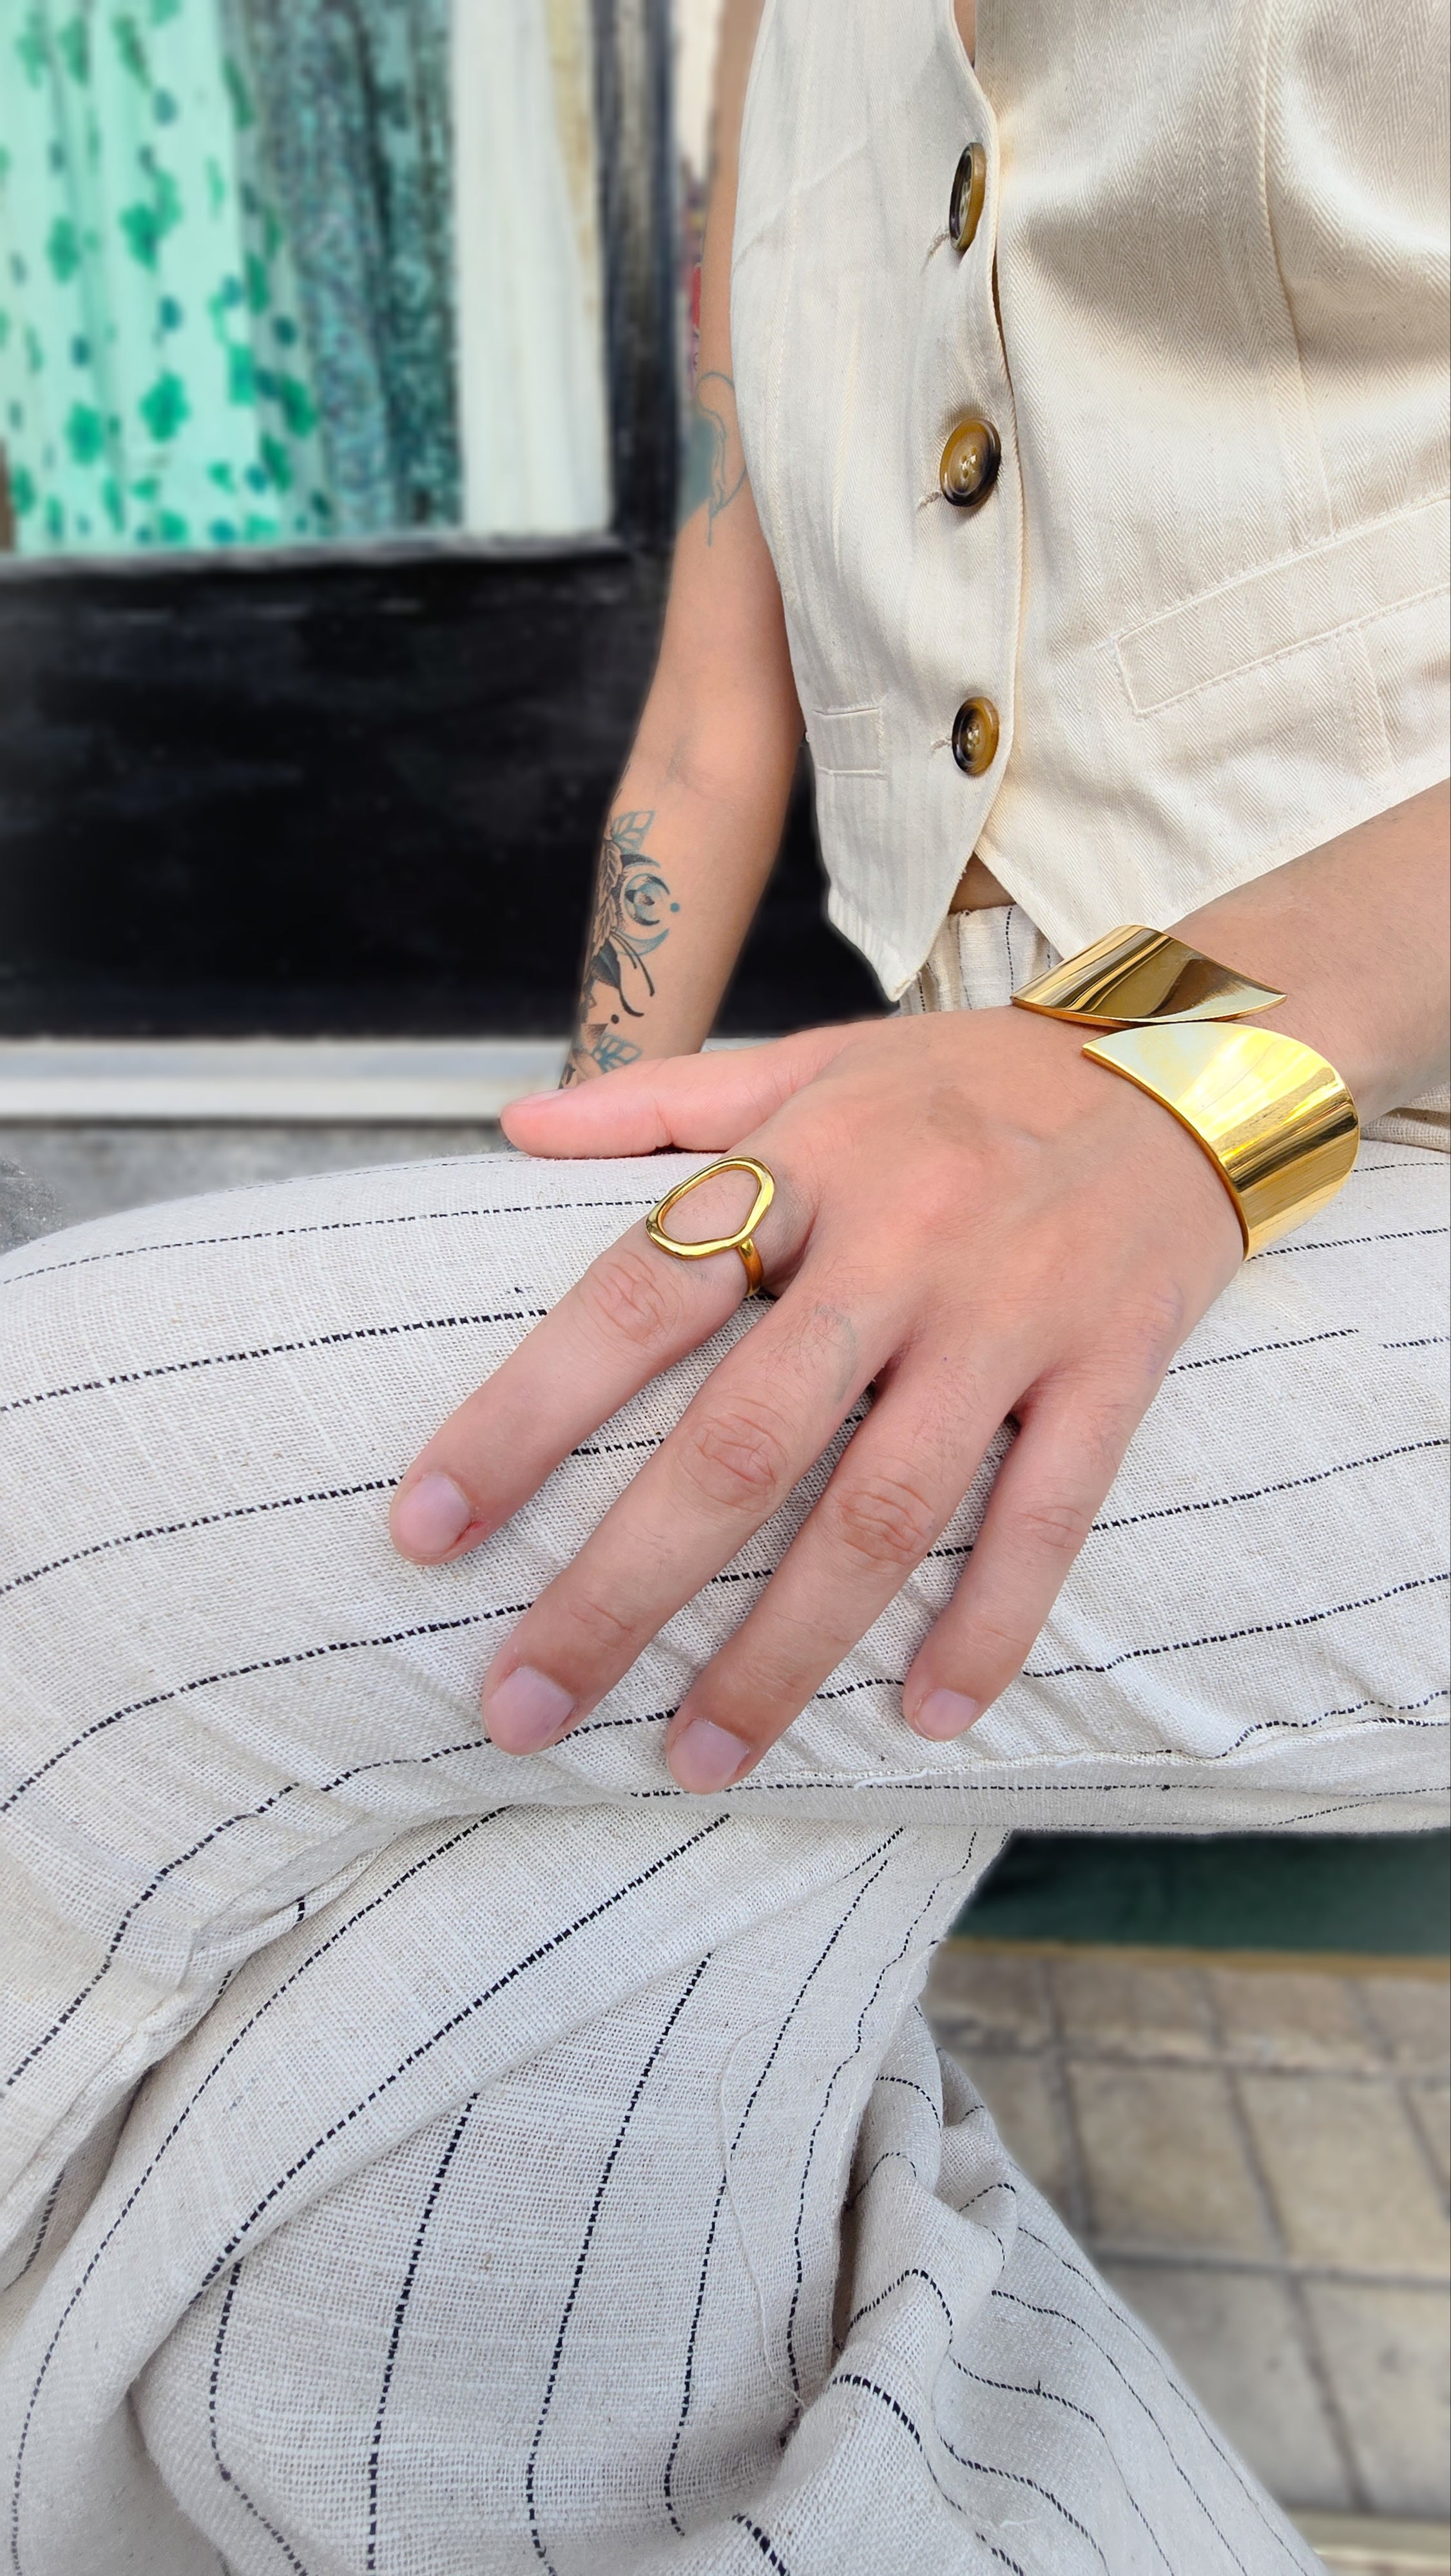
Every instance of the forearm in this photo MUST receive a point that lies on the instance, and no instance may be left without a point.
(1356, 935)
(686, 852)
(697, 818)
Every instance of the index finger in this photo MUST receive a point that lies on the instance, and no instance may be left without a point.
(634, 1312)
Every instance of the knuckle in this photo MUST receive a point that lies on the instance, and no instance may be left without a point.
(629, 1296)
(599, 1627)
(1001, 1648)
(1056, 1529)
(740, 1458)
(885, 1520)
(1151, 1331)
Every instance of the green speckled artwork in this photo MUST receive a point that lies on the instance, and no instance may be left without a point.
(155, 383)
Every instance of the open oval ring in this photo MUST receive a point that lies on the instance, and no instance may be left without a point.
(741, 1241)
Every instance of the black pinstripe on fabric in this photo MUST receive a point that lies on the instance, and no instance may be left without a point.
(272, 1664)
(1386, 1712)
(1020, 2478)
(1350, 1242)
(1054, 2397)
(766, 2547)
(42, 2230)
(853, 2053)
(857, 2379)
(325, 1225)
(1260, 1350)
(455, 2021)
(911, 2272)
(1234, 1636)
(228, 2477)
(1260, 1493)
(226, 1824)
(198, 1521)
(410, 2276)
(687, 2377)
(339, 1933)
(889, 2156)
(336, 2128)
(880, 1856)
(910, 2085)
(271, 1351)
(531, 2468)
(1352, 1807)
(1123, 2318)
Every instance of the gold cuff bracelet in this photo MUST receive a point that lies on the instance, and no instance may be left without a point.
(1275, 1120)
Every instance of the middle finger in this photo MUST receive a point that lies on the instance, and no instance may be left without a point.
(889, 1499)
(766, 1412)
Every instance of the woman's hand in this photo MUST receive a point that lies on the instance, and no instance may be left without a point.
(971, 1221)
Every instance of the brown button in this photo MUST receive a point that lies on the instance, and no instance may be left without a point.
(970, 462)
(975, 736)
(969, 188)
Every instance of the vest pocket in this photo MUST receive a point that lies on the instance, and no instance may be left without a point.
(847, 742)
(1284, 607)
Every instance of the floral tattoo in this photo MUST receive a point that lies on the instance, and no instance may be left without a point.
(632, 899)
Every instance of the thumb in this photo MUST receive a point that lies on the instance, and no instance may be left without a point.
(701, 1102)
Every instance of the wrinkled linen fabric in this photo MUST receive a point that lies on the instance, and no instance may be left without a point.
(419, 2160)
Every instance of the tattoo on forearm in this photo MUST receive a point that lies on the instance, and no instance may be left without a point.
(632, 905)
(715, 463)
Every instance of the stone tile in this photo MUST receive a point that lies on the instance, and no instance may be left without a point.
(1128, 2009)
(1236, 2338)
(1291, 2017)
(1431, 2111)
(986, 1998)
(1376, 2544)
(1385, 2352)
(1348, 2177)
(1020, 2094)
(1413, 2015)
(1164, 2164)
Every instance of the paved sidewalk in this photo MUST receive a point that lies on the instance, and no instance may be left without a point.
(1256, 2155)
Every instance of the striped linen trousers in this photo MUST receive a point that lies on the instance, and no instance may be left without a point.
(418, 2160)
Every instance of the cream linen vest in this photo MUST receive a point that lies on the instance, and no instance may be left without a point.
(1204, 309)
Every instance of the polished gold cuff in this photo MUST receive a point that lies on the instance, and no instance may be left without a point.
(1132, 977)
(1274, 1118)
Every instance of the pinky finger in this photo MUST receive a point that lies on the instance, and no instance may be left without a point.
(1042, 1507)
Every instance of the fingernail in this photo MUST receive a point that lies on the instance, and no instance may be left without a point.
(706, 1756)
(527, 1710)
(430, 1516)
(946, 1713)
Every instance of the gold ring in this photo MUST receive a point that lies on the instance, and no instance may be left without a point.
(741, 1241)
